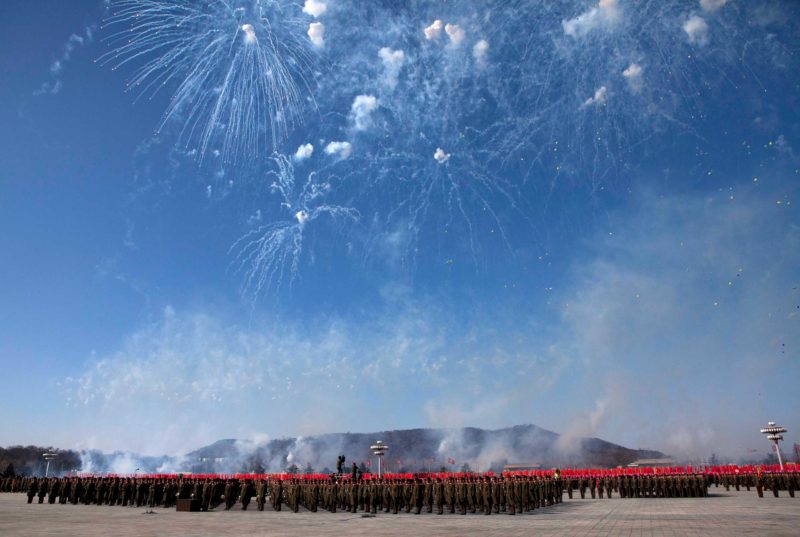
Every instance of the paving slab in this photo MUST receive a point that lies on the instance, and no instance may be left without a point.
(723, 514)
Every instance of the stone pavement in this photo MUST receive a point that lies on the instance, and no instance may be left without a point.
(724, 513)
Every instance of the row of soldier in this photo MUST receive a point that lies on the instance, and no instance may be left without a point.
(773, 481)
(681, 485)
(451, 494)
(471, 494)
(640, 486)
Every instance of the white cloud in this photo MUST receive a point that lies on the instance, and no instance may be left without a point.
(599, 97)
(480, 51)
(342, 149)
(696, 30)
(315, 8)
(393, 61)
(249, 33)
(604, 15)
(303, 152)
(633, 74)
(712, 5)
(456, 34)
(316, 32)
(440, 156)
(363, 106)
(434, 30)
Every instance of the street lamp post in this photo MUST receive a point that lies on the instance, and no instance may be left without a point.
(378, 449)
(48, 456)
(774, 433)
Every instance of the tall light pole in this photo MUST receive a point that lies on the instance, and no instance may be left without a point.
(48, 456)
(378, 449)
(774, 433)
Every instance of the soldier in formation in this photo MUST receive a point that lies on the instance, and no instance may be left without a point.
(441, 493)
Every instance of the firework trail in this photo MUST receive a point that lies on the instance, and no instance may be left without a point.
(269, 255)
(451, 125)
(238, 70)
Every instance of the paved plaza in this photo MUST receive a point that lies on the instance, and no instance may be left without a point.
(724, 513)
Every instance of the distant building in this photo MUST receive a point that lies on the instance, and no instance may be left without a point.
(521, 467)
(652, 463)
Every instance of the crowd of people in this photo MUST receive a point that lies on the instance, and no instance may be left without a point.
(487, 493)
(417, 493)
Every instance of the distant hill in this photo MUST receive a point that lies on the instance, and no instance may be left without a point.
(417, 450)
(409, 450)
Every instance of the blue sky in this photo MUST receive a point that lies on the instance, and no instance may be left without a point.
(594, 230)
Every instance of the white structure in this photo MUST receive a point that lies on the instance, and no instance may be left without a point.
(379, 449)
(49, 456)
(774, 433)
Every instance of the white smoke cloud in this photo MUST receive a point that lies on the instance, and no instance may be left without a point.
(587, 424)
(480, 51)
(696, 29)
(434, 30)
(304, 152)
(74, 41)
(598, 99)
(315, 8)
(249, 33)
(301, 217)
(633, 74)
(316, 32)
(181, 371)
(647, 330)
(393, 61)
(456, 34)
(712, 5)
(635, 331)
(440, 156)
(605, 14)
(360, 111)
(342, 149)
